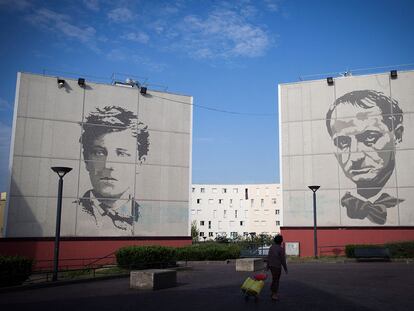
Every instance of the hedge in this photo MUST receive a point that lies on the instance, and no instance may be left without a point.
(397, 249)
(14, 270)
(209, 251)
(143, 257)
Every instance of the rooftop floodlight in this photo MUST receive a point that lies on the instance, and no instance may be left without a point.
(81, 82)
(143, 90)
(393, 74)
(60, 82)
(314, 188)
(330, 80)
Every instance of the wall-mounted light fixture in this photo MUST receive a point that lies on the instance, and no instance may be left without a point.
(81, 82)
(60, 82)
(393, 74)
(330, 80)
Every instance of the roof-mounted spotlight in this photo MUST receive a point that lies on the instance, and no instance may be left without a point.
(143, 90)
(60, 82)
(81, 82)
(330, 80)
(393, 74)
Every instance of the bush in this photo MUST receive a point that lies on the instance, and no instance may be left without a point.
(14, 270)
(143, 257)
(401, 249)
(208, 251)
(397, 249)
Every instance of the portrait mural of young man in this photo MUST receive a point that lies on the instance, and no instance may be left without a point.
(111, 138)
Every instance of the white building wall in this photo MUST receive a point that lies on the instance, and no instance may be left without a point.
(225, 210)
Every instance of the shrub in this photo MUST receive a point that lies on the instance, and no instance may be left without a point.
(14, 270)
(401, 249)
(142, 257)
(209, 251)
(397, 249)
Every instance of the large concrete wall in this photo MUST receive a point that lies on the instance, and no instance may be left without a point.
(364, 165)
(130, 155)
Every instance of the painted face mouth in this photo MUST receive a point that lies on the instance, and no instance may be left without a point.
(108, 179)
(361, 171)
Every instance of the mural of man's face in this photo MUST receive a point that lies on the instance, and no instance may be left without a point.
(109, 178)
(365, 145)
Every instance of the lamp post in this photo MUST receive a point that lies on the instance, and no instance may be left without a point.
(61, 171)
(315, 239)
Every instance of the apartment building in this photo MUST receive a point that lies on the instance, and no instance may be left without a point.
(236, 210)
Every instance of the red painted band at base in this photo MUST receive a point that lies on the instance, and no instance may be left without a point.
(332, 240)
(79, 252)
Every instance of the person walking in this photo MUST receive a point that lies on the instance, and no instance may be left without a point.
(276, 259)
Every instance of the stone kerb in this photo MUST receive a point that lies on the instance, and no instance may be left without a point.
(153, 279)
(250, 264)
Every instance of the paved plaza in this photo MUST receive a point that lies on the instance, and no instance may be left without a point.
(216, 286)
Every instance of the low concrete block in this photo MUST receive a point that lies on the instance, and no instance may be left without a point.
(152, 279)
(250, 264)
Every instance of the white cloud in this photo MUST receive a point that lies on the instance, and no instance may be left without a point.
(4, 104)
(121, 15)
(140, 37)
(223, 33)
(92, 4)
(61, 25)
(273, 5)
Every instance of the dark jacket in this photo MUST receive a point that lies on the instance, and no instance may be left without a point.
(276, 257)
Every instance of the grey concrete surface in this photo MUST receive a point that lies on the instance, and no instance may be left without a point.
(250, 264)
(310, 286)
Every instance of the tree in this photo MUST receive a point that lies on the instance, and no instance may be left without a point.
(194, 231)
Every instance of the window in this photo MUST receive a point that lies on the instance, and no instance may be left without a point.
(210, 234)
(201, 222)
(193, 211)
(277, 212)
(220, 225)
(233, 235)
(246, 194)
(246, 213)
(241, 223)
(235, 190)
(215, 214)
(257, 191)
(202, 190)
(256, 211)
(241, 202)
(220, 201)
(201, 233)
(225, 214)
(210, 201)
(274, 201)
(267, 192)
(214, 190)
(263, 222)
(198, 211)
(193, 189)
(262, 202)
(231, 224)
(224, 190)
(266, 212)
(235, 214)
(209, 224)
(251, 203)
(231, 202)
(277, 222)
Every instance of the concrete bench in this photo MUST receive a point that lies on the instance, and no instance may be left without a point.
(250, 264)
(153, 279)
(374, 253)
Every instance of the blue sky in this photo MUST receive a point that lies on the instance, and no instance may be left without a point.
(229, 55)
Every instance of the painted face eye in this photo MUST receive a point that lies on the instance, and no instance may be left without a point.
(342, 142)
(122, 153)
(369, 138)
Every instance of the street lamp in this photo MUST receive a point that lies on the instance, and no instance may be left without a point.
(61, 171)
(315, 239)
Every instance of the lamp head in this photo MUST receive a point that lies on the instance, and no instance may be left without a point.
(61, 170)
(81, 82)
(314, 188)
(60, 82)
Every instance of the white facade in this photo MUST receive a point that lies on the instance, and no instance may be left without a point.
(231, 210)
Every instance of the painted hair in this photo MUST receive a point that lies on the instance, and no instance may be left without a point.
(390, 110)
(111, 119)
